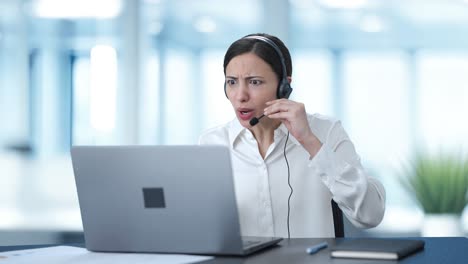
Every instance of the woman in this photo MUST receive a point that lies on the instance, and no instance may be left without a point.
(287, 164)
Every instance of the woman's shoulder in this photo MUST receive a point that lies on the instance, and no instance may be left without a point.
(215, 135)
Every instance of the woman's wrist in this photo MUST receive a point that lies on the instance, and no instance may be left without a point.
(312, 144)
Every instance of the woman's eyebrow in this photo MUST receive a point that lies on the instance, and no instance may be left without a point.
(248, 77)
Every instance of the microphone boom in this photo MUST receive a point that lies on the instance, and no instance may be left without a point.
(255, 120)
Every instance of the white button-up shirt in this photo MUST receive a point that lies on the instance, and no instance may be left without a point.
(261, 185)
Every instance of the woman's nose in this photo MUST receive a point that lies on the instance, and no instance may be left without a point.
(242, 93)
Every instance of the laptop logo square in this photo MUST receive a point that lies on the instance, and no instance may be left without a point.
(154, 198)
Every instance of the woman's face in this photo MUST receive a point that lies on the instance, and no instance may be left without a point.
(250, 83)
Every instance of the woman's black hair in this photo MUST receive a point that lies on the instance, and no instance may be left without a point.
(263, 50)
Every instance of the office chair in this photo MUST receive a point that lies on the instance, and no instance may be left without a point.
(337, 219)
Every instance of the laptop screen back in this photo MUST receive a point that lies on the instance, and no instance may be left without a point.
(173, 199)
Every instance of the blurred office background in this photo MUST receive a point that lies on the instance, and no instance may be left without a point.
(109, 72)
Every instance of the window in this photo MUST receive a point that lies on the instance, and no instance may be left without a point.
(311, 81)
(180, 111)
(443, 96)
(216, 109)
(376, 105)
(82, 133)
(150, 106)
(94, 97)
(376, 113)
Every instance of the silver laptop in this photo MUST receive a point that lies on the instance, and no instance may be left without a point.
(165, 199)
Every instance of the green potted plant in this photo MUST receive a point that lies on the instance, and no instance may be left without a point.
(439, 184)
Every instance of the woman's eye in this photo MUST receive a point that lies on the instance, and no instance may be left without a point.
(255, 82)
(230, 82)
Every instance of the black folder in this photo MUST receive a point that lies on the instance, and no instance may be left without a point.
(376, 248)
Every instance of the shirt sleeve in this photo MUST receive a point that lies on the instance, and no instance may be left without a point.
(360, 197)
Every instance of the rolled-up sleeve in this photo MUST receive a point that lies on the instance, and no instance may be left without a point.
(360, 197)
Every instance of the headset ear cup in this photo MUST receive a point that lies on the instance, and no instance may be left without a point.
(284, 90)
(288, 91)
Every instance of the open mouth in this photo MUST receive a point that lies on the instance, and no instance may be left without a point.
(245, 114)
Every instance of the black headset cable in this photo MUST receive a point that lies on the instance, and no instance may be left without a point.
(289, 183)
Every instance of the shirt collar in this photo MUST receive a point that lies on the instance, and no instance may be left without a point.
(236, 129)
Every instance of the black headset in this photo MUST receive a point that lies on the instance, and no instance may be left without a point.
(284, 88)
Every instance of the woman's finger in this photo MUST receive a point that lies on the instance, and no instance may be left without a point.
(280, 115)
(280, 106)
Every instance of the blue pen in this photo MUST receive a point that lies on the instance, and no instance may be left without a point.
(316, 248)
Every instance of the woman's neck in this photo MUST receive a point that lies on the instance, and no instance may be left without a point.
(264, 134)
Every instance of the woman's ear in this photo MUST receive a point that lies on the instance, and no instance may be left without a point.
(289, 79)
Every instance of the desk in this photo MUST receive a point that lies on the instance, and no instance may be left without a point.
(450, 250)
